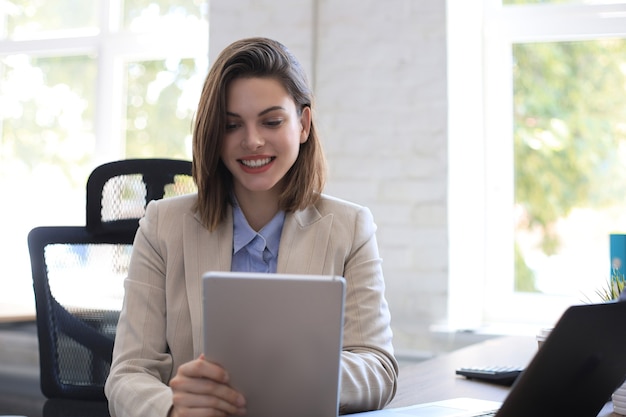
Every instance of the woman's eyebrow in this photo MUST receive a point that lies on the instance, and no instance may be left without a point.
(268, 110)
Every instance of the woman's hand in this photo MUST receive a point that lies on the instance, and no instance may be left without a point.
(201, 389)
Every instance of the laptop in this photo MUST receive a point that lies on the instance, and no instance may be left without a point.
(279, 337)
(574, 373)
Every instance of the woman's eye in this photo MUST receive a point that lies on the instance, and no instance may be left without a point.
(231, 126)
(274, 122)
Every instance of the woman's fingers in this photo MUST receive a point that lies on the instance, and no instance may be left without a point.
(200, 388)
(201, 368)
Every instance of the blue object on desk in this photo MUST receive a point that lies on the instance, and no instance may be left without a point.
(617, 250)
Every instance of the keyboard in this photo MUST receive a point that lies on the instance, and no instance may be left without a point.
(486, 414)
(503, 375)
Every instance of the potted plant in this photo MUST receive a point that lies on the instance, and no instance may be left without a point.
(613, 288)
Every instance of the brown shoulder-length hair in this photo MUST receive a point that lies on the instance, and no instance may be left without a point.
(252, 57)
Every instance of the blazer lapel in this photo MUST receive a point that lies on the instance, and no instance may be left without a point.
(203, 251)
(304, 242)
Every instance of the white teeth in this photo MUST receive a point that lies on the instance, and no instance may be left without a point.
(256, 162)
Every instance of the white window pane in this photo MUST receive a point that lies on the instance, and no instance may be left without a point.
(144, 15)
(32, 19)
(46, 146)
(508, 2)
(55, 126)
(570, 154)
(162, 96)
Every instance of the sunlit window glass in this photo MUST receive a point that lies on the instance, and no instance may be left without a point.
(97, 81)
(46, 145)
(161, 99)
(32, 19)
(142, 15)
(508, 2)
(47, 108)
(570, 154)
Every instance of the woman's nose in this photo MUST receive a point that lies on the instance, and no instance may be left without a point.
(252, 139)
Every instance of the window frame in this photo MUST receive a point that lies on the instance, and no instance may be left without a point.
(481, 194)
(113, 47)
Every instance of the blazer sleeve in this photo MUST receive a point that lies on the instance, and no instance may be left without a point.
(369, 370)
(136, 385)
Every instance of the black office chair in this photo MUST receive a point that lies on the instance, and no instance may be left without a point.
(78, 273)
(117, 192)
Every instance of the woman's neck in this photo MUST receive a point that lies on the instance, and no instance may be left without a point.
(258, 208)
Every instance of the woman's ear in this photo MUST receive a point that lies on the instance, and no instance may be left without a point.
(305, 121)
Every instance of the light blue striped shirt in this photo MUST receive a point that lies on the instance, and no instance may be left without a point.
(252, 251)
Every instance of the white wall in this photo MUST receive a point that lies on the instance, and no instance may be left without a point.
(379, 74)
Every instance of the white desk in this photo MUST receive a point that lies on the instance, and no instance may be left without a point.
(10, 313)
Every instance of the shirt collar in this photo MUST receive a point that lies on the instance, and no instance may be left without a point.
(243, 234)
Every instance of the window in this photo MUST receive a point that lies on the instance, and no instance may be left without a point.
(536, 172)
(82, 83)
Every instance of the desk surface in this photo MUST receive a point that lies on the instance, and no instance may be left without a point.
(11, 312)
(435, 379)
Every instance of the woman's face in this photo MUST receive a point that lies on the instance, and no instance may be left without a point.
(263, 134)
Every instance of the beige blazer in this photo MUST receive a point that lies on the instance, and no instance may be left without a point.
(160, 325)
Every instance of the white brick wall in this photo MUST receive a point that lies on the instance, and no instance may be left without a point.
(379, 74)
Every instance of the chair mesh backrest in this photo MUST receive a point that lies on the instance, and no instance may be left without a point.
(86, 291)
(78, 282)
(118, 192)
(126, 196)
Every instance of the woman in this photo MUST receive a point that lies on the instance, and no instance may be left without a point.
(260, 170)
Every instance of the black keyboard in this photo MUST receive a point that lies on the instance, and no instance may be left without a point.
(503, 375)
(486, 414)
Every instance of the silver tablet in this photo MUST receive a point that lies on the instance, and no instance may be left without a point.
(279, 337)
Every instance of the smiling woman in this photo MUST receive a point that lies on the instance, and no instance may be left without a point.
(260, 207)
(263, 138)
(73, 96)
